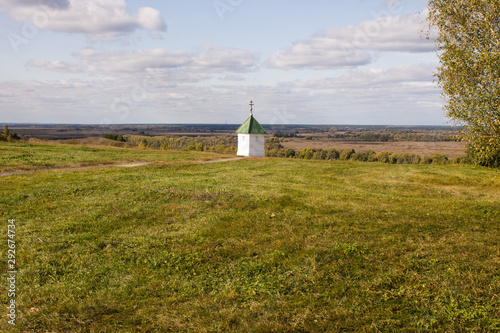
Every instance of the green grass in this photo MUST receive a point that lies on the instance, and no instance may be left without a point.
(255, 245)
(14, 156)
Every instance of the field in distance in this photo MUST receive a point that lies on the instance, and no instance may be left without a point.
(451, 149)
(251, 245)
(420, 140)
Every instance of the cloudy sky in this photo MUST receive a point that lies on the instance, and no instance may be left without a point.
(202, 61)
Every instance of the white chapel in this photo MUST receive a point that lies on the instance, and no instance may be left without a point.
(251, 137)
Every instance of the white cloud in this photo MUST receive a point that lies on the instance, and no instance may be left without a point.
(99, 19)
(56, 66)
(415, 74)
(232, 78)
(117, 62)
(399, 95)
(219, 60)
(390, 33)
(165, 85)
(350, 46)
(210, 60)
(319, 53)
(150, 19)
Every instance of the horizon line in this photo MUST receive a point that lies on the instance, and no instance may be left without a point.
(215, 124)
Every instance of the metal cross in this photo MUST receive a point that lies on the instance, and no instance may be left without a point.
(251, 108)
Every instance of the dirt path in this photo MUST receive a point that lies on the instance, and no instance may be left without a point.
(227, 159)
(114, 165)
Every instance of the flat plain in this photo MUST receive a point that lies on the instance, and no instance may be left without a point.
(250, 245)
(451, 149)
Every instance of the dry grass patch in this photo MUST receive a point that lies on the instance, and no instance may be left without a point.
(451, 149)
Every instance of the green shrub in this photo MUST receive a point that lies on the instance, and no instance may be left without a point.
(332, 154)
(394, 158)
(426, 160)
(460, 160)
(383, 156)
(439, 159)
(320, 154)
(415, 159)
(274, 153)
(346, 154)
(366, 156)
(115, 137)
(288, 153)
(8, 136)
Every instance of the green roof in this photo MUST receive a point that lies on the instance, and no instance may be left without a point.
(251, 126)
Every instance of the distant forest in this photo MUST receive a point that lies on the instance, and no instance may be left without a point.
(399, 135)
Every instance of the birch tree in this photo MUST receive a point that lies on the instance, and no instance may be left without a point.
(469, 74)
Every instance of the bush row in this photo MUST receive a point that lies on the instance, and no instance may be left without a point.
(116, 137)
(199, 143)
(365, 156)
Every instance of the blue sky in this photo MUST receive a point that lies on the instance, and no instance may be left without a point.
(202, 61)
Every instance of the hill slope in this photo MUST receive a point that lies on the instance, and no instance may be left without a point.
(260, 245)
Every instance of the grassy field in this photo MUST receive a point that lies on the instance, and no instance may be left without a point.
(42, 156)
(255, 245)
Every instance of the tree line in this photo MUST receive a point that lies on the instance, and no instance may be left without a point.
(365, 156)
(219, 143)
(116, 137)
(394, 136)
(274, 148)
